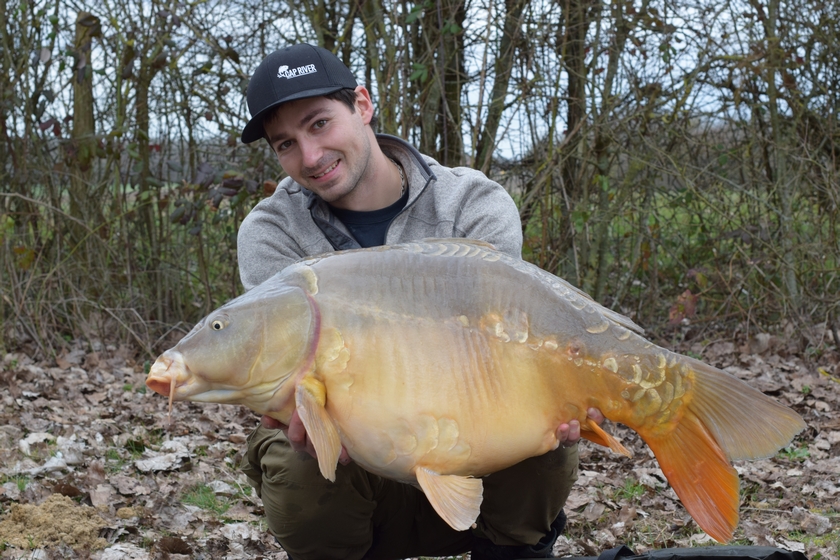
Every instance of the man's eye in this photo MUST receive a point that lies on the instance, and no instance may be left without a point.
(283, 145)
(320, 123)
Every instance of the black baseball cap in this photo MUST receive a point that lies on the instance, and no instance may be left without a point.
(294, 72)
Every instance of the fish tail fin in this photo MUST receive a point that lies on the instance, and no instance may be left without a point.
(746, 423)
(701, 475)
(723, 419)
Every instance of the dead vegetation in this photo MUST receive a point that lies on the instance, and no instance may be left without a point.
(82, 441)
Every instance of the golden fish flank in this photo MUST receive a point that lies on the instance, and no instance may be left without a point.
(436, 363)
(426, 435)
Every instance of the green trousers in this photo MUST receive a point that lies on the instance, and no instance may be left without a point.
(362, 515)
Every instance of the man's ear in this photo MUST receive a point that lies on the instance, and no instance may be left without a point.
(364, 104)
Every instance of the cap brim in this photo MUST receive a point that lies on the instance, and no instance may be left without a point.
(254, 129)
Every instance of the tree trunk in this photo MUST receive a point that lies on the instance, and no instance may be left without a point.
(572, 51)
(502, 66)
(383, 65)
(783, 179)
(84, 205)
(452, 48)
(440, 99)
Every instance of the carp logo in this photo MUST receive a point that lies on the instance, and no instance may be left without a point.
(285, 72)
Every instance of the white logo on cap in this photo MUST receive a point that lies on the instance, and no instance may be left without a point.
(285, 72)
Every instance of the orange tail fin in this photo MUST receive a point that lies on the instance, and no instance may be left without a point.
(721, 419)
(746, 423)
(701, 475)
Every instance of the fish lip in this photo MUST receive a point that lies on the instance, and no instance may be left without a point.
(187, 384)
(170, 365)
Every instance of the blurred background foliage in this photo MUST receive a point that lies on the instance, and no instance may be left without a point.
(678, 160)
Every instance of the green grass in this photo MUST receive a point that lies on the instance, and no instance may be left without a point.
(20, 480)
(631, 490)
(114, 461)
(202, 496)
(830, 540)
(795, 453)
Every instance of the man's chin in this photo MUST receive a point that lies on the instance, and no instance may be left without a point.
(334, 195)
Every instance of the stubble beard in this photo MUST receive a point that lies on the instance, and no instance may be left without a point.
(356, 175)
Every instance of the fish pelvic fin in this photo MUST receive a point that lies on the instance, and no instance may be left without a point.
(700, 474)
(311, 396)
(590, 430)
(457, 499)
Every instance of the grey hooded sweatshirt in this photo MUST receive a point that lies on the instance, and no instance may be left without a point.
(294, 223)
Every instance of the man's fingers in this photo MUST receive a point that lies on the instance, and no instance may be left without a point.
(595, 415)
(562, 433)
(297, 434)
(272, 423)
(344, 457)
(574, 433)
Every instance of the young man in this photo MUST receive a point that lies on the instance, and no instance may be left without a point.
(348, 187)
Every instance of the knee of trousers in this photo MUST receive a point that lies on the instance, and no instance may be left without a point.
(309, 515)
(521, 502)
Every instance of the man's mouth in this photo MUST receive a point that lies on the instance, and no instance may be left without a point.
(327, 170)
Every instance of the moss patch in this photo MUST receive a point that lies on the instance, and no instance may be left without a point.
(58, 520)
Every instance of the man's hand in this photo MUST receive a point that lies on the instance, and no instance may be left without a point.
(569, 434)
(296, 433)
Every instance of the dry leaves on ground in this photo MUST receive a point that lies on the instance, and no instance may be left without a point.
(82, 441)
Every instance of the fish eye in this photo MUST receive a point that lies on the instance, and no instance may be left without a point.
(217, 325)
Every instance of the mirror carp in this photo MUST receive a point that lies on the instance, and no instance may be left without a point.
(439, 362)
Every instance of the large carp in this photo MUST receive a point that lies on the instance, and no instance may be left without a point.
(439, 362)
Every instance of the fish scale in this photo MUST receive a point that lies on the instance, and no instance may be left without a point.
(437, 363)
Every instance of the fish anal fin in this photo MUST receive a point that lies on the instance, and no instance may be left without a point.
(311, 398)
(590, 430)
(700, 474)
(457, 499)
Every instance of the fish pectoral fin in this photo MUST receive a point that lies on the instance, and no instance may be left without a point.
(311, 396)
(456, 499)
(590, 430)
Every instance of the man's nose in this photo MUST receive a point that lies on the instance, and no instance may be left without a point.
(310, 152)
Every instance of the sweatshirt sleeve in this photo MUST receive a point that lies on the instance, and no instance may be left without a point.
(487, 212)
(263, 246)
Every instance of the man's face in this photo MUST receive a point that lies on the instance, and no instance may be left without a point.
(322, 145)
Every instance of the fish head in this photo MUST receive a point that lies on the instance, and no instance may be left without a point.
(245, 352)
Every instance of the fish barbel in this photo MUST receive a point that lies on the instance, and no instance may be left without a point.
(439, 362)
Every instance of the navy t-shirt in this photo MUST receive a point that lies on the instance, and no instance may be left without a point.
(369, 228)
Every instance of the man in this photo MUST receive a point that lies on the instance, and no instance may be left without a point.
(348, 187)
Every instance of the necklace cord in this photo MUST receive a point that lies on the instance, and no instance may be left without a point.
(402, 175)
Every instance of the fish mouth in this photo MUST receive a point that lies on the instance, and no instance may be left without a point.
(170, 377)
(164, 374)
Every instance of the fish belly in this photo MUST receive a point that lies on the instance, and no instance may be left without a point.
(456, 365)
(440, 395)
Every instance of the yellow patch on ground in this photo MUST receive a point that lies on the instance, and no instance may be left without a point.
(58, 520)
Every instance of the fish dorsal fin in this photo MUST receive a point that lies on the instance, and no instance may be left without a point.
(460, 241)
(456, 499)
(590, 430)
(311, 396)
